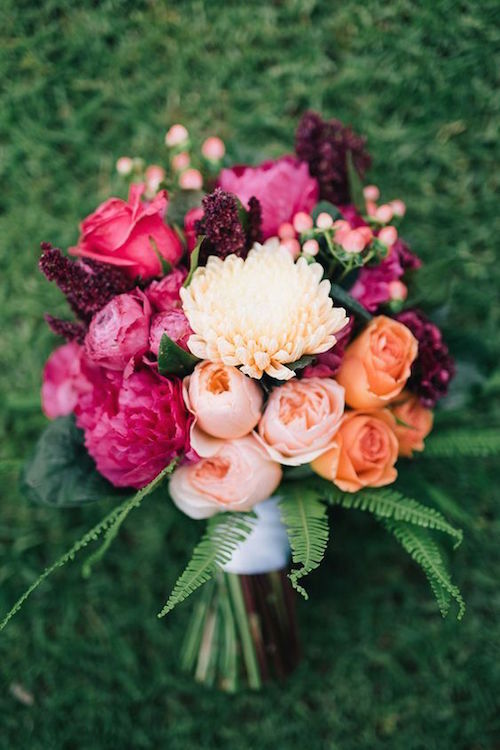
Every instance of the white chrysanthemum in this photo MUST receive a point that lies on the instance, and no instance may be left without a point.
(260, 313)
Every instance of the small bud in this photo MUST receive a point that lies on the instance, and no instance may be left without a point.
(354, 242)
(310, 247)
(384, 213)
(398, 207)
(302, 222)
(371, 208)
(324, 221)
(398, 291)
(292, 246)
(154, 177)
(191, 179)
(286, 231)
(124, 165)
(371, 193)
(180, 161)
(176, 135)
(388, 235)
(213, 149)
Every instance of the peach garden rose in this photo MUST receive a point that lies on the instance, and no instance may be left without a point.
(413, 423)
(377, 363)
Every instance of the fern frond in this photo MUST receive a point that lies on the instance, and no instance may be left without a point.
(384, 502)
(306, 521)
(223, 534)
(114, 528)
(424, 550)
(475, 443)
(107, 523)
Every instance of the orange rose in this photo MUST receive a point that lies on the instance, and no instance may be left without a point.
(364, 454)
(377, 364)
(417, 424)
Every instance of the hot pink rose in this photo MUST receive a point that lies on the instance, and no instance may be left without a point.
(172, 322)
(235, 478)
(130, 234)
(164, 294)
(283, 187)
(135, 427)
(64, 381)
(190, 220)
(120, 331)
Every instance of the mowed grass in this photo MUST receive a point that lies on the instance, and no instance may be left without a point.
(86, 664)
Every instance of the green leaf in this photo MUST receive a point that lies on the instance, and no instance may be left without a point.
(182, 201)
(173, 360)
(223, 534)
(299, 364)
(305, 518)
(325, 207)
(106, 523)
(474, 443)
(339, 294)
(355, 185)
(423, 549)
(388, 503)
(60, 471)
(194, 259)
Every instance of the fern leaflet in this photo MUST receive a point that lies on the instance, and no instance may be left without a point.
(224, 533)
(423, 549)
(388, 503)
(474, 443)
(305, 517)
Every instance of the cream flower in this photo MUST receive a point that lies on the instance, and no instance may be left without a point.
(260, 313)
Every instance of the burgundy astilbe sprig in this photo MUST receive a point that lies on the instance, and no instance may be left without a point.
(434, 368)
(87, 284)
(225, 226)
(324, 144)
(68, 329)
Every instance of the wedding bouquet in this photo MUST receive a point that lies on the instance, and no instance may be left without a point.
(245, 337)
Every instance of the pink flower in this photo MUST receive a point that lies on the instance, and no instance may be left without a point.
(226, 403)
(139, 428)
(373, 285)
(119, 332)
(237, 476)
(283, 187)
(191, 219)
(164, 294)
(172, 322)
(63, 381)
(130, 234)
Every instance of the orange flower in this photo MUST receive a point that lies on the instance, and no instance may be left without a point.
(364, 453)
(417, 424)
(377, 363)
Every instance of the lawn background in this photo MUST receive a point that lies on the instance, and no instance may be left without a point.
(83, 83)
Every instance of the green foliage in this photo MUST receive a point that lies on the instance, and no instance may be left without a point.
(110, 524)
(341, 297)
(223, 534)
(468, 442)
(424, 550)
(173, 359)
(305, 518)
(355, 185)
(60, 471)
(389, 503)
(193, 260)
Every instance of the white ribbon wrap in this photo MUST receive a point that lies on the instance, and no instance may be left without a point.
(266, 548)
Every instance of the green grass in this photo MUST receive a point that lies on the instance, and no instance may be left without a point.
(83, 83)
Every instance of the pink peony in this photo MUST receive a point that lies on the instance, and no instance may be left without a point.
(119, 332)
(283, 188)
(130, 234)
(164, 294)
(373, 285)
(64, 380)
(172, 322)
(140, 427)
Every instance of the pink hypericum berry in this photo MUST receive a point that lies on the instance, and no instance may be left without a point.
(371, 208)
(292, 246)
(354, 242)
(180, 161)
(324, 221)
(176, 135)
(342, 229)
(154, 176)
(384, 213)
(367, 234)
(124, 165)
(213, 148)
(310, 247)
(286, 231)
(302, 222)
(191, 179)
(371, 193)
(398, 207)
(388, 235)
(398, 291)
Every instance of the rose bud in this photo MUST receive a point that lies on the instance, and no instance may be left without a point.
(235, 478)
(377, 363)
(301, 419)
(364, 454)
(413, 423)
(120, 331)
(172, 322)
(226, 403)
